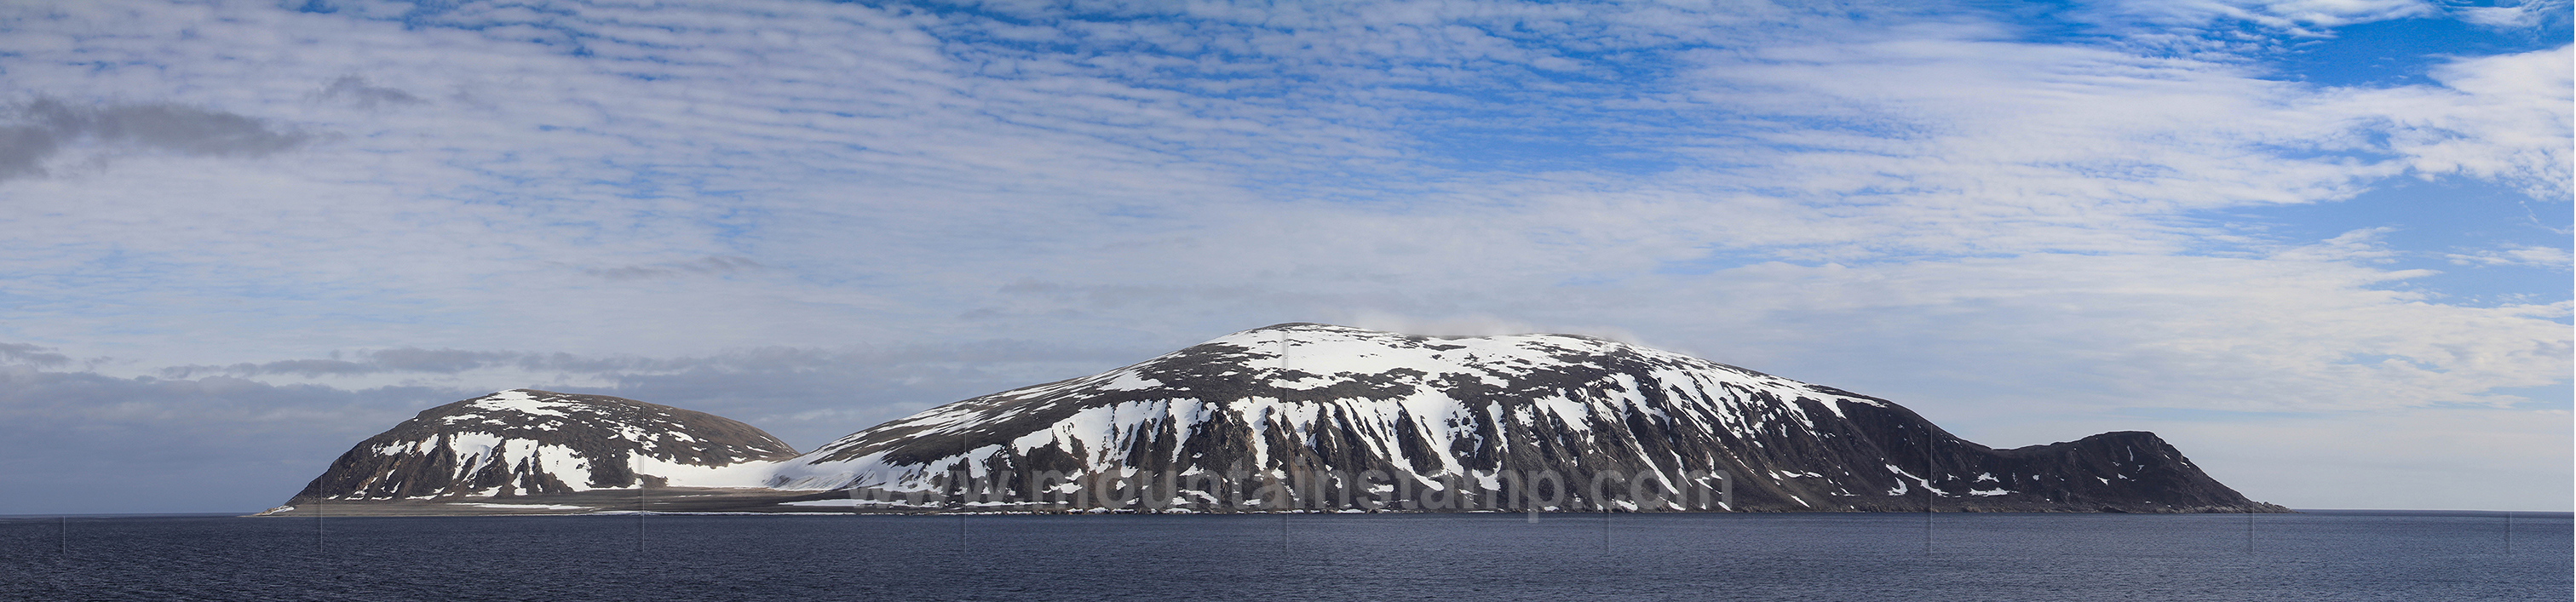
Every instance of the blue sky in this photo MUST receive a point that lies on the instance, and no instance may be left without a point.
(2320, 245)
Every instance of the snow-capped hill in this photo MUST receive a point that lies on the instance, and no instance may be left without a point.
(1292, 375)
(526, 442)
(1293, 416)
(1465, 420)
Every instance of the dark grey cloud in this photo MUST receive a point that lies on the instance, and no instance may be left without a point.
(756, 360)
(446, 361)
(23, 148)
(32, 355)
(82, 442)
(406, 359)
(308, 368)
(45, 126)
(305, 368)
(715, 265)
(359, 92)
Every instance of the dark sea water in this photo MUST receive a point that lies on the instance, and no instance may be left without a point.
(1472, 557)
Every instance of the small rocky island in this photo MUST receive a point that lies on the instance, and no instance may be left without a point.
(1293, 417)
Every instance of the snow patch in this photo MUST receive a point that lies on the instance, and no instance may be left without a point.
(1128, 380)
(524, 506)
(522, 402)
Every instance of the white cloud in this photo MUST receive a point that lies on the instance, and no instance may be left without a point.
(2298, 17)
(2359, 245)
(2541, 257)
(2504, 118)
(2123, 331)
(2525, 14)
(2331, 13)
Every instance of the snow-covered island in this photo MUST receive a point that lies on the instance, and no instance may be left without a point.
(1293, 417)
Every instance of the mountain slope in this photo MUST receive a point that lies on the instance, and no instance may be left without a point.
(1473, 422)
(524, 442)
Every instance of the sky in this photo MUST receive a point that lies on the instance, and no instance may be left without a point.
(2321, 246)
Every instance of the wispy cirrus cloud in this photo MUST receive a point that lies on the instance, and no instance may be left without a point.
(2516, 256)
(2298, 17)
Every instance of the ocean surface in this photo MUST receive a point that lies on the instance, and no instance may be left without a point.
(2319, 555)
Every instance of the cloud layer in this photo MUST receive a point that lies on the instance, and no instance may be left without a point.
(805, 214)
